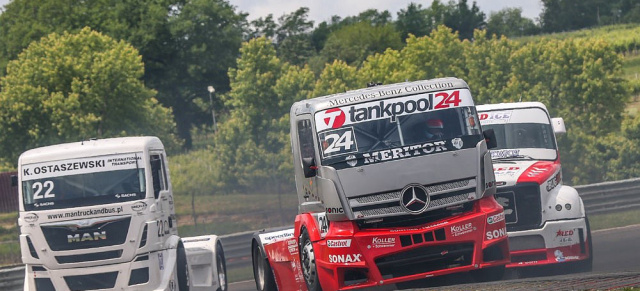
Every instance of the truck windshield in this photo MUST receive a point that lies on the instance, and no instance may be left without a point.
(397, 128)
(521, 133)
(83, 182)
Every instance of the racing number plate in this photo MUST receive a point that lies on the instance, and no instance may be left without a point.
(508, 202)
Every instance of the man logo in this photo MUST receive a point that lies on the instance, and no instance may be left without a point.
(334, 118)
(414, 198)
(87, 237)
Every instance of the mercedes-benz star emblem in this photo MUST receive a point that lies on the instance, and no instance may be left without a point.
(414, 198)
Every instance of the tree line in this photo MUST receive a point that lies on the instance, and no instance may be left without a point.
(72, 70)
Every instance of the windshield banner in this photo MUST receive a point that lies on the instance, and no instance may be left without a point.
(390, 108)
(82, 166)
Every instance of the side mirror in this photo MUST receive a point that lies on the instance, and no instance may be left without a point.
(490, 138)
(14, 180)
(558, 125)
(309, 167)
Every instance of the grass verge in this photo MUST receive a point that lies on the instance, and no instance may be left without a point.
(616, 219)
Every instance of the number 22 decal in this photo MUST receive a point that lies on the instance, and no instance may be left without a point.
(39, 186)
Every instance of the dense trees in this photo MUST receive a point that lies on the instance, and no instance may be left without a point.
(71, 87)
(185, 45)
(188, 45)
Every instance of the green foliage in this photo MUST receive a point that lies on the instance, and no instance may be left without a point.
(74, 86)
(353, 43)
(185, 45)
(509, 22)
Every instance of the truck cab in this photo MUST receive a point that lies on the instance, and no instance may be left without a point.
(546, 220)
(99, 214)
(394, 184)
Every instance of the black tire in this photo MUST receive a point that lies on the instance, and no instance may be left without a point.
(221, 267)
(489, 274)
(265, 281)
(183, 269)
(308, 262)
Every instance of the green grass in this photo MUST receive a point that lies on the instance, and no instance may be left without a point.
(616, 219)
(224, 214)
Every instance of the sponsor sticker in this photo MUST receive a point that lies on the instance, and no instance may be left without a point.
(276, 236)
(495, 218)
(498, 233)
(348, 258)
(31, 217)
(139, 206)
(495, 117)
(391, 108)
(560, 257)
(554, 182)
(383, 242)
(160, 261)
(339, 243)
(502, 154)
(458, 230)
(81, 166)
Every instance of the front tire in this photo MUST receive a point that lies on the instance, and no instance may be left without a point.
(221, 267)
(308, 262)
(265, 281)
(183, 269)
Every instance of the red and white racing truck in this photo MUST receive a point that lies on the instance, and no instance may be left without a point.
(395, 183)
(546, 220)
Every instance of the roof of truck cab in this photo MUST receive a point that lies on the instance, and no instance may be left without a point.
(89, 148)
(378, 92)
(512, 105)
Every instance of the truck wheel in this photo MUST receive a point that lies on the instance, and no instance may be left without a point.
(262, 273)
(308, 262)
(183, 269)
(221, 266)
(489, 274)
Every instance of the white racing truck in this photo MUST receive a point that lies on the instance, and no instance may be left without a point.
(546, 220)
(99, 215)
(395, 184)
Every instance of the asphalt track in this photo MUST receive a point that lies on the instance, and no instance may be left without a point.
(616, 264)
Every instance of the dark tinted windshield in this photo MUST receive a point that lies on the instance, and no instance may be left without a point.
(88, 182)
(522, 135)
(398, 128)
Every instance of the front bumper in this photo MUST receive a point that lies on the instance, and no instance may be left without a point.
(151, 271)
(556, 242)
(365, 259)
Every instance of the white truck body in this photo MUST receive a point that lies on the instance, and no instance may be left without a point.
(99, 215)
(546, 220)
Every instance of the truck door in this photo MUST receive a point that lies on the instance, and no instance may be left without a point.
(307, 159)
(162, 195)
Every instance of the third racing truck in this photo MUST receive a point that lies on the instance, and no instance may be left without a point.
(546, 220)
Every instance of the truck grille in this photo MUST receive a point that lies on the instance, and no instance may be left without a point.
(109, 233)
(425, 259)
(388, 203)
(99, 256)
(522, 206)
(92, 282)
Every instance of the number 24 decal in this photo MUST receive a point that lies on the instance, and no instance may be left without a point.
(448, 99)
(38, 187)
(338, 142)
